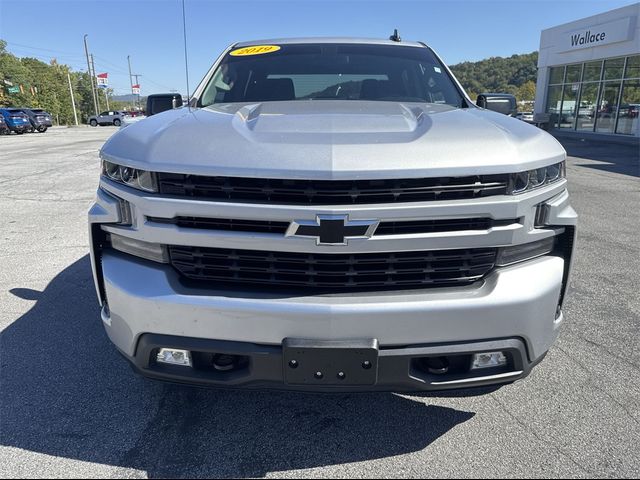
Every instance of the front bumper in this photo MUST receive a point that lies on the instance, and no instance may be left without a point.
(265, 366)
(19, 128)
(43, 123)
(516, 302)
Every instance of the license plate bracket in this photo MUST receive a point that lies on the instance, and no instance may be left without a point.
(330, 362)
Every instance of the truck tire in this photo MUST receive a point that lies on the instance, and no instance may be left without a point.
(93, 122)
(117, 122)
(42, 129)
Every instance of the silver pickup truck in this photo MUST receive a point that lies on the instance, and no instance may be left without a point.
(332, 215)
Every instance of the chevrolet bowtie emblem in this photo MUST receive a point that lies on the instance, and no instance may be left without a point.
(332, 229)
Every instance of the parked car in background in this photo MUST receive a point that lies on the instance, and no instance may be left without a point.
(525, 116)
(132, 117)
(39, 119)
(629, 110)
(112, 117)
(16, 120)
(3, 126)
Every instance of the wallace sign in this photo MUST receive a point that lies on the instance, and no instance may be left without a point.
(587, 38)
(602, 34)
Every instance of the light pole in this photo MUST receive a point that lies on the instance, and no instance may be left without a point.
(93, 90)
(138, 100)
(73, 102)
(130, 76)
(93, 78)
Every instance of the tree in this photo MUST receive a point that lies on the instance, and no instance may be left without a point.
(497, 74)
(12, 70)
(527, 91)
(45, 85)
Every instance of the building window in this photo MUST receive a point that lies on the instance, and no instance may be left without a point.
(633, 67)
(592, 71)
(587, 109)
(574, 72)
(569, 108)
(628, 121)
(599, 96)
(613, 68)
(606, 114)
(554, 101)
(556, 75)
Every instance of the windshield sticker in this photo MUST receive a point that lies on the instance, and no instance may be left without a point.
(255, 50)
(437, 69)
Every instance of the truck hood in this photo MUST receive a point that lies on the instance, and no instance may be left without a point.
(329, 139)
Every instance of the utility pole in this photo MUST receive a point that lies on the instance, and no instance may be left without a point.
(137, 75)
(106, 98)
(93, 76)
(93, 90)
(55, 99)
(130, 76)
(73, 102)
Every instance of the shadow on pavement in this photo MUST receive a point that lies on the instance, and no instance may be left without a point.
(67, 393)
(618, 158)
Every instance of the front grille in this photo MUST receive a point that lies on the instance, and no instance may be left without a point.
(225, 224)
(385, 228)
(378, 271)
(330, 192)
(439, 225)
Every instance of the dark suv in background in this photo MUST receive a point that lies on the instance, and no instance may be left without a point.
(16, 120)
(39, 119)
(3, 126)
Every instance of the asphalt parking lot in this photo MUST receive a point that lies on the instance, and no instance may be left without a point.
(70, 406)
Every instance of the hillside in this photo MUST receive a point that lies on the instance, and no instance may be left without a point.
(515, 74)
(128, 98)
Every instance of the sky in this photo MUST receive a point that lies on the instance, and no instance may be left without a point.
(151, 31)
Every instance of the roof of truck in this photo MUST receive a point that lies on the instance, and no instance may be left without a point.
(367, 41)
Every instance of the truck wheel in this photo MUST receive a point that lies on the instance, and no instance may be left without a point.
(93, 123)
(42, 129)
(117, 122)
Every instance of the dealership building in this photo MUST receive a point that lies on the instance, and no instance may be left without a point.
(589, 74)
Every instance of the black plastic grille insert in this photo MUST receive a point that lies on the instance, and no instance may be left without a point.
(333, 271)
(330, 192)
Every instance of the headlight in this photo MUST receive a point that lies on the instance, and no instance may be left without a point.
(132, 177)
(524, 181)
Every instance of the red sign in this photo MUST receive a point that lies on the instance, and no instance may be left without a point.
(102, 79)
(135, 89)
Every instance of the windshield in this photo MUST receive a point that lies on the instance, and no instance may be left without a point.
(331, 72)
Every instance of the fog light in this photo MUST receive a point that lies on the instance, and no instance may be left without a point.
(174, 356)
(525, 251)
(488, 360)
(139, 248)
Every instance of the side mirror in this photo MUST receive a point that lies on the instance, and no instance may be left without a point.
(498, 102)
(161, 102)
